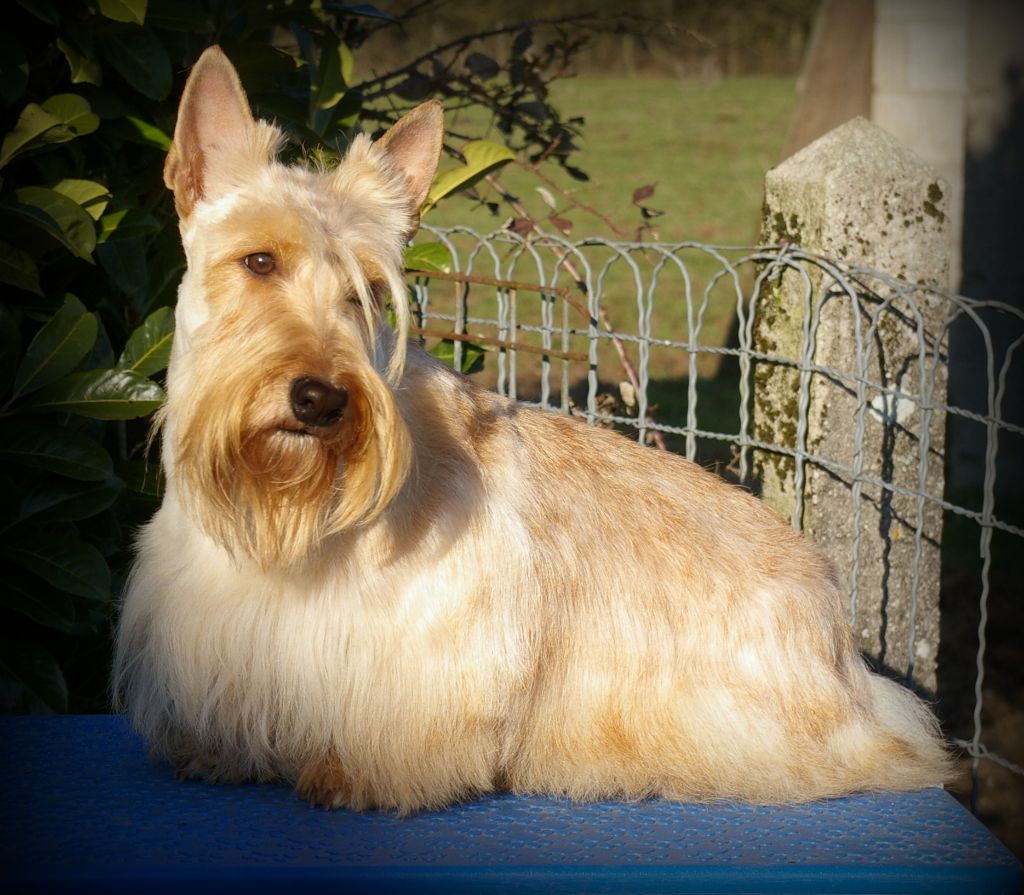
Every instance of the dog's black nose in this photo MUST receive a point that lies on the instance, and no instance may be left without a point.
(316, 403)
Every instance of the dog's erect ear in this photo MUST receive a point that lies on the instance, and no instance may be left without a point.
(214, 121)
(414, 144)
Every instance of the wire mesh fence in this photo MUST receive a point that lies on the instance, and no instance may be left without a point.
(688, 347)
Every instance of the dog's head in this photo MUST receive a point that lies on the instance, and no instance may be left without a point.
(280, 426)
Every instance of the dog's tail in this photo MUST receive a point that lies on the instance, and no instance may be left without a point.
(886, 738)
(905, 748)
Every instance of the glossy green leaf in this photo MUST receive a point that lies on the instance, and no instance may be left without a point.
(101, 357)
(343, 115)
(432, 257)
(99, 394)
(55, 449)
(166, 265)
(332, 75)
(60, 217)
(139, 57)
(34, 126)
(126, 223)
(62, 559)
(149, 348)
(265, 69)
(149, 133)
(133, 11)
(17, 268)
(57, 348)
(329, 85)
(124, 261)
(58, 500)
(73, 112)
(37, 671)
(84, 69)
(472, 356)
(91, 196)
(482, 157)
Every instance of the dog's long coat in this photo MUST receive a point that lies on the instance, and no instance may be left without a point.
(380, 582)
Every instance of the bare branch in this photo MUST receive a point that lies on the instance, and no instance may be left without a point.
(570, 198)
(605, 321)
(463, 42)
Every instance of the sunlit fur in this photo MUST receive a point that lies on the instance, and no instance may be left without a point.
(449, 594)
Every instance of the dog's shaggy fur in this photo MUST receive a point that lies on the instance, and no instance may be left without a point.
(438, 593)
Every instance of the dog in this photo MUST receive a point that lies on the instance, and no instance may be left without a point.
(377, 581)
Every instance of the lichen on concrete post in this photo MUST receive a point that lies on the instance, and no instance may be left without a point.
(868, 436)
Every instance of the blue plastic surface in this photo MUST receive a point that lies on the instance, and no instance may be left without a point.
(84, 809)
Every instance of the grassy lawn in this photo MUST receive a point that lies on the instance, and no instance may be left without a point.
(705, 148)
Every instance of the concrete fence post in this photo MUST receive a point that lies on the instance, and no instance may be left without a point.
(858, 196)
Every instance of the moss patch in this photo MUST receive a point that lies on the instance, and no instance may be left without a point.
(930, 204)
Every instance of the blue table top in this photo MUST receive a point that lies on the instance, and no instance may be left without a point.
(84, 809)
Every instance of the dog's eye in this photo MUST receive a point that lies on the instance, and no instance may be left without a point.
(260, 263)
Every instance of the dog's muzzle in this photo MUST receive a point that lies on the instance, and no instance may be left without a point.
(317, 404)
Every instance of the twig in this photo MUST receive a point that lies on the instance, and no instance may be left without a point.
(462, 42)
(570, 198)
(620, 348)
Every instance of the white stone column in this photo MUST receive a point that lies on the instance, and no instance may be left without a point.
(858, 196)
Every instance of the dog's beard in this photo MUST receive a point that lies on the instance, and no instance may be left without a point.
(259, 483)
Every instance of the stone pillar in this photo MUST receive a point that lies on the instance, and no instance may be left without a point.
(858, 196)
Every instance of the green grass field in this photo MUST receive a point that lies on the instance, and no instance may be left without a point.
(705, 148)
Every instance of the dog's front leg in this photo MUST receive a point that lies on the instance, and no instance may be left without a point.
(192, 761)
(206, 766)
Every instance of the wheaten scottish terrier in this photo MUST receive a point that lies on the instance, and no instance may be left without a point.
(392, 588)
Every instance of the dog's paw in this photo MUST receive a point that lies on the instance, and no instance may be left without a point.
(207, 766)
(324, 784)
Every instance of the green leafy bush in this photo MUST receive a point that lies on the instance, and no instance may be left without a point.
(90, 260)
(64, 491)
